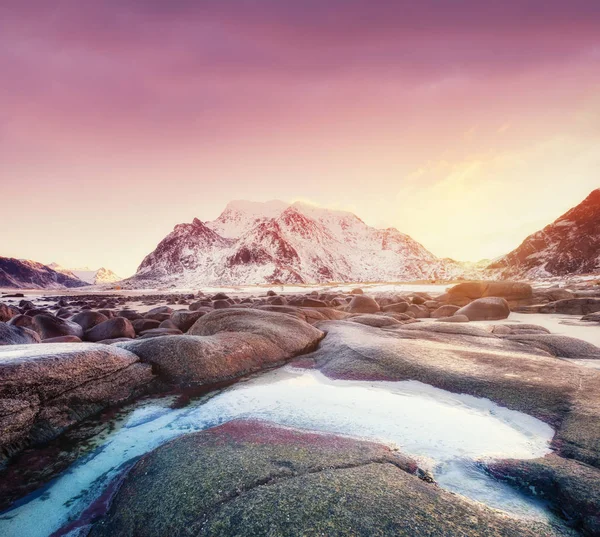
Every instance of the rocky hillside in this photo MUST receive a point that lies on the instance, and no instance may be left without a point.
(570, 245)
(254, 243)
(24, 274)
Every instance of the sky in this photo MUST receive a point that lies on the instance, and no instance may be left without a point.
(466, 124)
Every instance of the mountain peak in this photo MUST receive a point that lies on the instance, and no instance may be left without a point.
(569, 245)
(254, 243)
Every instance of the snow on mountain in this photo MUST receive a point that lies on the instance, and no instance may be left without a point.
(272, 242)
(90, 276)
(26, 274)
(570, 245)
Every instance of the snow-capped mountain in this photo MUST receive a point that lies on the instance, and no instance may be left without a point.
(89, 276)
(25, 274)
(253, 243)
(570, 245)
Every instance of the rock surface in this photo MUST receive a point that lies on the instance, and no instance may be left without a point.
(253, 479)
(46, 388)
(485, 309)
(226, 344)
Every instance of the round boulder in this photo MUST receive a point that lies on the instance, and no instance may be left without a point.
(363, 304)
(111, 329)
(485, 309)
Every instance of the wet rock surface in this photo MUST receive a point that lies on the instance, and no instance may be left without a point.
(251, 478)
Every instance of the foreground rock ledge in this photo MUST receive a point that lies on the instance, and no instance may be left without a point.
(46, 388)
(248, 478)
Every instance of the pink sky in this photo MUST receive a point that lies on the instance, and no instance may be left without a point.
(466, 124)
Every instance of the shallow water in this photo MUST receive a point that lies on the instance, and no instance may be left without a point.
(448, 434)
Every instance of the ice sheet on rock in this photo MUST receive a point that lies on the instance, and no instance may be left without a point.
(448, 433)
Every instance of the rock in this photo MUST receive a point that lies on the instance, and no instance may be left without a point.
(305, 302)
(277, 300)
(417, 311)
(159, 310)
(418, 300)
(62, 339)
(357, 291)
(129, 314)
(24, 321)
(362, 304)
(445, 311)
(158, 332)
(17, 335)
(557, 345)
(592, 317)
(288, 334)
(221, 304)
(482, 289)
(570, 486)
(169, 325)
(46, 388)
(225, 345)
(485, 309)
(250, 479)
(113, 328)
(184, 320)
(573, 306)
(89, 319)
(397, 307)
(558, 294)
(7, 312)
(220, 296)
(48, 326)
(454, 319)
(139, 325)
(371, 319)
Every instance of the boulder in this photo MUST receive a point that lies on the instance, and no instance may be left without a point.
(462, 293)
(371, 319)
(396, 307)
(417, 311)
(111, 329)
(129, 314)
(226, 344)
(573, 306)
(445, 311)
(592, 317)
(62, 339)
(221, 304)
(88, 319)
(48, 326)
(184, 320)
(46, 388)
(362, 304)
(139, 325)
(291, 335)
(485, 309)
(454, 319)
(24, 321)
(569, 486)
(17, 335)
(7, 312)
(158, 332)
(247, 478)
